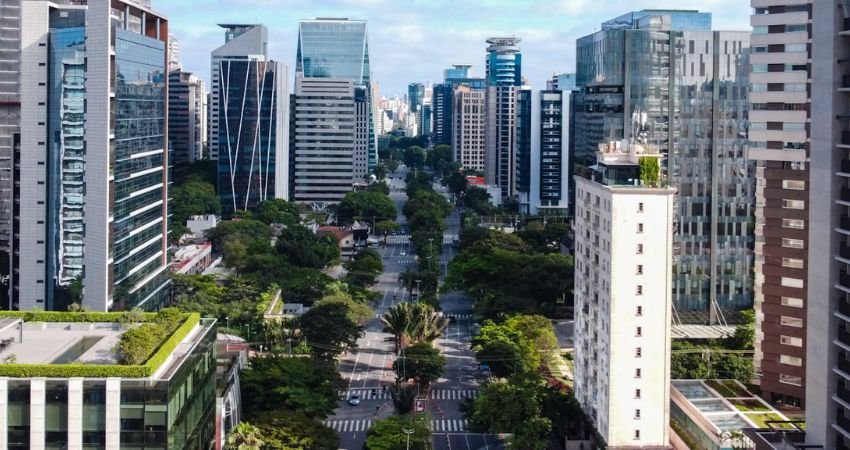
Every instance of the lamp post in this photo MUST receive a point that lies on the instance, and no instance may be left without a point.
(408, 433)
(227, 320)
(417, 289)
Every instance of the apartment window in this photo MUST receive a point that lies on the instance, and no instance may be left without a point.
(637, 352)
(640, 228)
(790, 360)
(637, 393)
(790, 379)
(640, 249)
(793, 204)
(637, 434)
(796, 185)
(638, 331)
(640, 207)
(639, 290)
(791, 282)
(795, 28)
(793, 243)
(637, 414)
(793, 263)
(791, 321)
(640, 269)
(796, 48)
(791, 340)
(793, 223)
(639, 311)
(792, 302)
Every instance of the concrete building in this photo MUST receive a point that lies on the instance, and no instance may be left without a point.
(96, 79)
(442, 101)
(468, 126)
(241, 41)
(65, 400)
(173, 54)
(780, 145)
(624, 247)
(331, 139)
(187, 117)
(504, 77)
(660, 77)
(339, 48)
(253, 127)
(623, 268)
(562, 82)
(544, 167)
(10, 115)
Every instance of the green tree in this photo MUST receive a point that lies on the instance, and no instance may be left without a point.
(413, 323)
(403, 397)
(303, 248)
(390, 434)
(278, 211)
(288, 430)
(272, 383)
(329, 330)
(414, 157)
(457, 183)
(190, 198)
(385, 227)
(745, 333)
(422, 362)
(477, 200)
(357, 312)
(365, 205)
(244, 436)
(650, 170)
(234, 255)
(514, 407)
(364, 268)
(253, 233)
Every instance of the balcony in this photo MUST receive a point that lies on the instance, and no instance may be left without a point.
(844, 337)
(843, 365)
(844, 252)
(844, 308)
(845, 194)
(844, 223)
(843, 393)
(843, 422)
(844, 279)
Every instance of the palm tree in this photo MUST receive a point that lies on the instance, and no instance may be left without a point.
(397, 322)
(244, 436)
(426, 325)
(407, 279)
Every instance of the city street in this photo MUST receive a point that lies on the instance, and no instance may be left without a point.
(367, 371)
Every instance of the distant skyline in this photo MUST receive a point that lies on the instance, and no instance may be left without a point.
(414, 40)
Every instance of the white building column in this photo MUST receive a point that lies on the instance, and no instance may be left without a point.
(75, 414)
(113, 412)
(37, 402)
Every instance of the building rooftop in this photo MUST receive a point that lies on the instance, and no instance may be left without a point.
(59, 342)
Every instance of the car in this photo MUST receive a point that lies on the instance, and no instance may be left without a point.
(354, 400)
(402, 253)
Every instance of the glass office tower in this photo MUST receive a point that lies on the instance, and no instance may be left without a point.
(665, 79)
(504, 77)
(338, 48)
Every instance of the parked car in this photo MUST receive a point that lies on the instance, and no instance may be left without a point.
(354, 400)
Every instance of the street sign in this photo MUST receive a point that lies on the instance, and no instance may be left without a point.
(420, 405)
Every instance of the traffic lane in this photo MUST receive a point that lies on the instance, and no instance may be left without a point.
(466, 441)
(372, 363)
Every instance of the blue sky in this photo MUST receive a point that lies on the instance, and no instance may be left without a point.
(414, 40)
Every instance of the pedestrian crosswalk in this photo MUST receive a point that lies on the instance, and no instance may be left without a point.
(405, 239)
(365, 394)
(448, 425)
(343, 426)
(411, 260)
(458, 316)
(453, 394)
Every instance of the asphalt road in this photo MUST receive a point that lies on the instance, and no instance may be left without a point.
(367, 371)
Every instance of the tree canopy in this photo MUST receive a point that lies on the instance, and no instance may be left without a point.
(370, 205)
(422, 362)
(306, 385)
(388, 434)
(329, 330)
(288, 430)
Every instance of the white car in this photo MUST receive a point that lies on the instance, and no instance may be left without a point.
(354, 400)
(402, 253)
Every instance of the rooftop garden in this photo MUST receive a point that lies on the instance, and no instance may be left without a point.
(141, 350)
(761, 420)
(748, 405)
(728, 388)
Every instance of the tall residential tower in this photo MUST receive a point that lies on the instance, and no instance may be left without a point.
(504, 77)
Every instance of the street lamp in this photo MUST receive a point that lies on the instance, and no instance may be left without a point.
(417, 289)
(227, 319)
(408, 433)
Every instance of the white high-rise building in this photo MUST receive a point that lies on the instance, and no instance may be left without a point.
(623, 301)
(173, 53)
(468, 127)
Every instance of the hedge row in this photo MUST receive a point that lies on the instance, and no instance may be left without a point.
(66, 316)
(102, 370)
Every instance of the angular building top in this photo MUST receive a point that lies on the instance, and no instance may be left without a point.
(333, 48)
(242, 40)
(457, 71)
(504, 62)
(679, 19)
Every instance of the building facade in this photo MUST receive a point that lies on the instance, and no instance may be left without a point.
(468, 126)
(339, 48)
(330, 138)
(442, 101)
(96, 80)
(241, 41)
(187, 117)
(780, 144)
(623, 276)
(10, 116)
(253, 127)
(665, 79)
(504, 77)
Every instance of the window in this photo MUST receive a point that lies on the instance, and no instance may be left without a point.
(637, 393)
(794, 223)
(793, 243)
(793, 204)
(640, 249)
(790, 360)
(638, 331)
(637, 373)
(791, 282)
(791, 322)
(639, 290)
(637, 352)
(637, 414)
(640, 269)
(796, 185)
(639, 311)
(640, 207)
(792, 302)
(796, 48)
(637, 434)
(791, 340)
(640, 228)
(794, 263)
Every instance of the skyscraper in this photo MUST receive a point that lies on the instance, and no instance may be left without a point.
(187, 117)
(415, 96)
(442, 101)
(779, 143)
(173, 54)
(623, 271)
(504, 76)
(10, 110)
(240, 42)
(468, 126)
(93, 183)
(253, 127)
(338, 48)
(665, 79)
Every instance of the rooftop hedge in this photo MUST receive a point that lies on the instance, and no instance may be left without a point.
(147, 369)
